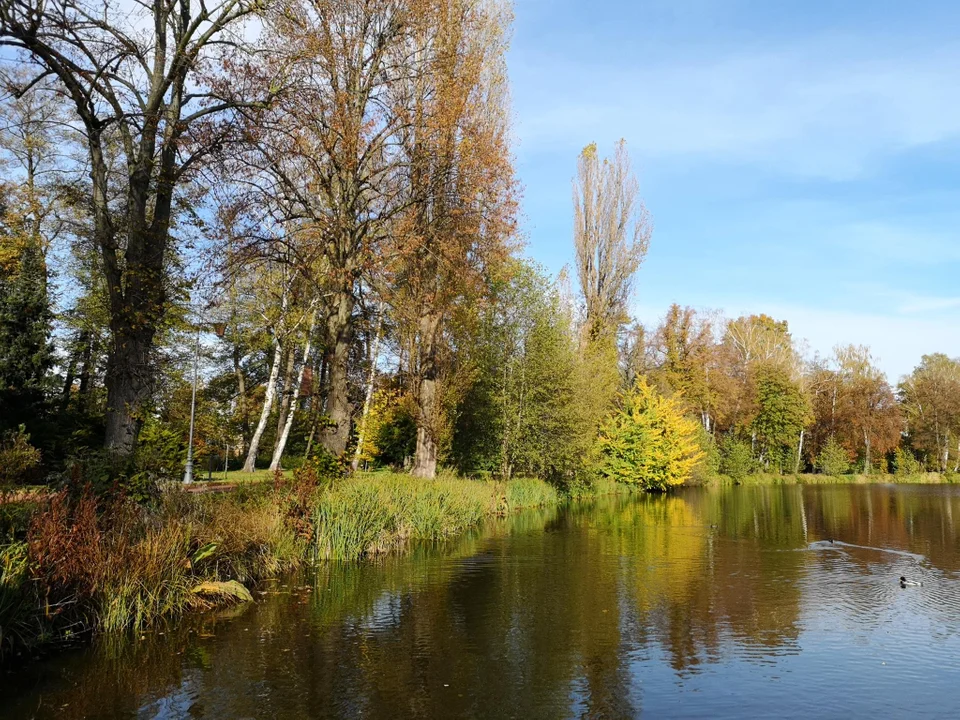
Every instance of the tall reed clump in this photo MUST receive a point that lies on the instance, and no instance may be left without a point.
(15, 612)
(370, 515)
(529, 493)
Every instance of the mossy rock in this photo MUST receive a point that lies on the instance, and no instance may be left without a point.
(229, 590)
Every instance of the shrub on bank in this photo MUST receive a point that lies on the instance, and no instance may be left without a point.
(19, 460)
(905, 463)
(648, 441)
(833, 459)
(736, 459)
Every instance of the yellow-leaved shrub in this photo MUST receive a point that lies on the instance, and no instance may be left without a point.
(648, 441)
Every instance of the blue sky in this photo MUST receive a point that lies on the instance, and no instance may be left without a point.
(798, 158)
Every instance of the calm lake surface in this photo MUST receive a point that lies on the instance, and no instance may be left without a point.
(706, 603)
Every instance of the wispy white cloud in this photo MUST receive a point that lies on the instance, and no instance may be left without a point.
(824, 107)
(900, 243)
(929, 305)
(897, 342)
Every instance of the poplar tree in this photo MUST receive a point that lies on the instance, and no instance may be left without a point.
(462, 205)
(611, 234)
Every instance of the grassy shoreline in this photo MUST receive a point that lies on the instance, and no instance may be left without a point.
(930, 478)
(79, 567)
(75, 566)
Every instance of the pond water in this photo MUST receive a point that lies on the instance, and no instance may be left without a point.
(713, 603)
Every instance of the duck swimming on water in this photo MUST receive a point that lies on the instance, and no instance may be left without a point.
(909, 583)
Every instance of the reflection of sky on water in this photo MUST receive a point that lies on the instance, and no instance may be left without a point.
(385, 614)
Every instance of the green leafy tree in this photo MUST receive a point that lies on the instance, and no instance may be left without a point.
(709, 466)
(782, 413)
(750, 344)
(684, 350)
(395, 433)
(930, 397)
(520, 415)
(160, 453)
(545, 436)
(648, 441)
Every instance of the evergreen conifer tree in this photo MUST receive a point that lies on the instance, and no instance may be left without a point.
(25, 351)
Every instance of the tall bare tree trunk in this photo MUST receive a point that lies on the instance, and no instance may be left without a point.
(136, 283)
(425, 456)
(292, 400)
(505, 435)
(68, 382)
(941, 444)
(313, 431)
(86, 371)
(129, 379)
(335, 437)
(371, 379)
(318, 402)
(251, 462)
(76, 358)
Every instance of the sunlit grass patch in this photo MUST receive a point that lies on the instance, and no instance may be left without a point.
(823, 479)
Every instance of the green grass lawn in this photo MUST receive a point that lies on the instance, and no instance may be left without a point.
(238, 476)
